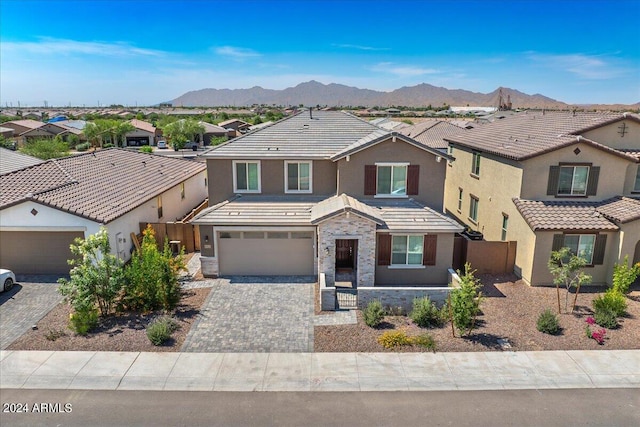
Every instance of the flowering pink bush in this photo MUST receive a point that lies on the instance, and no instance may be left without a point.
(591, 321)
(598, 335)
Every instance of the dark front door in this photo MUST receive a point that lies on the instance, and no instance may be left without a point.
(346, 253)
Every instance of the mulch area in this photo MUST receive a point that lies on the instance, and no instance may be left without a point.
(118, 332)
(509, 311)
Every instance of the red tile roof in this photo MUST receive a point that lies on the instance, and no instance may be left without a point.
(100, 186)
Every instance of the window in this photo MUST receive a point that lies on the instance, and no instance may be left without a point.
(406, 250)
(246, 177)
(253, 235)
(159, 205)
(573, 180)
(392, 180)
(460, 193)
(581, 245)
(302, 234)
(182, 190)
(298, 177)
(450, 152)
(505, 225)
(636, 187)
(277, 235)
(473, 208)
(230, 234)
(475, 164)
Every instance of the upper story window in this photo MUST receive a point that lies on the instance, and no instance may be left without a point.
(246, 176)
(392, 180)
(406, 250)
(475, 164)
(474, 202)
(159, 206)
(505, 225)
(298, 177)
(573, 180)
(460, 195)
(636, 186)
(182, 193)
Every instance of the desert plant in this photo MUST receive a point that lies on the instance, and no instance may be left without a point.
(373, 314)
(606, 317)
(464, 302)
(160, 329)
(83, 319)
(54, 334)
(611, 300)
(394, 339)
(146, 149)
(624, 275)
(548, 323)
(46, 148)
(566, 269)
(598, 335)
(425, 313)
(83, 147)
(424, 341)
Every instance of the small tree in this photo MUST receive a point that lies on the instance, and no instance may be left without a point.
(624, 276)
(97, 275)
(464, 301)
(566, 269)
(46, 148)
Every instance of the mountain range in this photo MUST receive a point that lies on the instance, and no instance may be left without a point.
(314, 93)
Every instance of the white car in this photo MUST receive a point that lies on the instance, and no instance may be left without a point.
(162, 144)
(7, 279)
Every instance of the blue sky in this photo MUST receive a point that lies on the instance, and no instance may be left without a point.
(144, 52)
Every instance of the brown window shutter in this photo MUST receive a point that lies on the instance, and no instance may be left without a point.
(592, 184)
(554, 177)
(558, 242)
(598, 249)
(384, 249)
(370, 173)
(413, 179)
(429, 249)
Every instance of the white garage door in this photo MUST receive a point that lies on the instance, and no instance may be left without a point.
(258, 253)
(36, 252)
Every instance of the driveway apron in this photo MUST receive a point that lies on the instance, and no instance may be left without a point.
(244, 314)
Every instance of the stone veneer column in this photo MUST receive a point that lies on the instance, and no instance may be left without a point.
(347, 226)
(209, 266)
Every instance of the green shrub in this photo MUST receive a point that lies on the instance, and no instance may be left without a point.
(146, 149)
(624, 276)
(548, 322)
(394, 339)
(425, 341)
(84, 319)
(613, 301)
(373, 314)
(82, 147)
(425, 313)
(606, 318)
(160, 329)
(464, 302)
(108, 145)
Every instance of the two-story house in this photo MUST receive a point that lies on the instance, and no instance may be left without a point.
(550, 180)
(323, 192)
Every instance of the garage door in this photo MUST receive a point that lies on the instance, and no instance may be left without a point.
(36, 252)
(280, 253)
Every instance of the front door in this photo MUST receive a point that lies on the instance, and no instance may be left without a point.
(346, 253)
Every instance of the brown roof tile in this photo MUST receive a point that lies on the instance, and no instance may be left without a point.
(551, 215)
(100, 186)
(620, 209)
(433, 132)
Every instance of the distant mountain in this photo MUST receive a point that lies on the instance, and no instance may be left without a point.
(336, 95)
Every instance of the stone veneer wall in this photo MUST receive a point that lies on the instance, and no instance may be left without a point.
(209, 266)
(395, 297)
(327, 294)
(347, 226)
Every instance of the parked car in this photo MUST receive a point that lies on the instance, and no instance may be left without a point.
(7, 278)
(162, 144)
(192, 145)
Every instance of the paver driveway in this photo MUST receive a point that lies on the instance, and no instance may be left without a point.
(248, 314)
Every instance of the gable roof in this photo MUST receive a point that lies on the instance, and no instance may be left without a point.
(529, 134)
(621, 209)
(12, 161)
(91, 185)
(433, 132)
(566, 215)
(142, 125)
(337, 205)
(26, 123)
(381, 136)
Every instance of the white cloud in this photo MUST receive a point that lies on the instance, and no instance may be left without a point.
(584, 66)
(236, 52)
(53, 46)
(403, 70)
(360, 47)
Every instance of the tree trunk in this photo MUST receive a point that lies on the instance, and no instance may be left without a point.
(453, 330)
(558, 292)
(575, 298)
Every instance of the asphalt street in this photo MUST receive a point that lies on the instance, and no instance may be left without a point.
(568, 407)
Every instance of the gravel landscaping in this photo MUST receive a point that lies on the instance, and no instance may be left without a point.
(509, 311)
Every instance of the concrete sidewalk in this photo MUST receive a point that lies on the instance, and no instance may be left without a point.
(89, 370)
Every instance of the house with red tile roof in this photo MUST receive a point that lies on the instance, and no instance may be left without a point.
(548, 180)
(44, 207)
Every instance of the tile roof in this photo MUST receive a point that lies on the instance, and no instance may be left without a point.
(337, 205)
(298, 136)
(529, 134)
(566, 215)
(620, 209)
(407, 215)
(27, 123)
(209, 128)
(101, 185)
(142, 125)
(12, 160)
(380, 136)
(433, 132)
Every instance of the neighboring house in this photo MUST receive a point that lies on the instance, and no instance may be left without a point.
(144, 134)
(45, 206)
(326, 192)
(432, 133)
(549, 180)
(388, 124)
(236, 125)
(12, 161)
(210, 131)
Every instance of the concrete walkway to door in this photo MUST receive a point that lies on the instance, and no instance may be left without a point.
(255, 314)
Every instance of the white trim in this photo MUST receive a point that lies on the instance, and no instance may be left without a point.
(235, 178)
(263, 228)
(407, 253)
(43, 228)
(390, 196)
(392, 166)
(286, 176)
(406, 266)
(392, 163)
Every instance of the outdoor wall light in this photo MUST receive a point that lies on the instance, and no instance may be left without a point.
(206, 238)
(326, 250)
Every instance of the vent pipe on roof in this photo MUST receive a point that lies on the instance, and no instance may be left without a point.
(311, 112)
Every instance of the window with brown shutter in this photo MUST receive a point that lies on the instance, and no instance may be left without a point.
(592, 183)
(384, 249)
(558, 242)
(413, 179)
(430, 249)
(370, 180)
(598, 249)
(552, 184)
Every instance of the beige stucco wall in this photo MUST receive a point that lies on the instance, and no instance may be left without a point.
(520, 231)
(432, 173)
(220, 172)
(629, 236)
(499, 181)
(611, 182)
(612, 137)
(421, 275)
